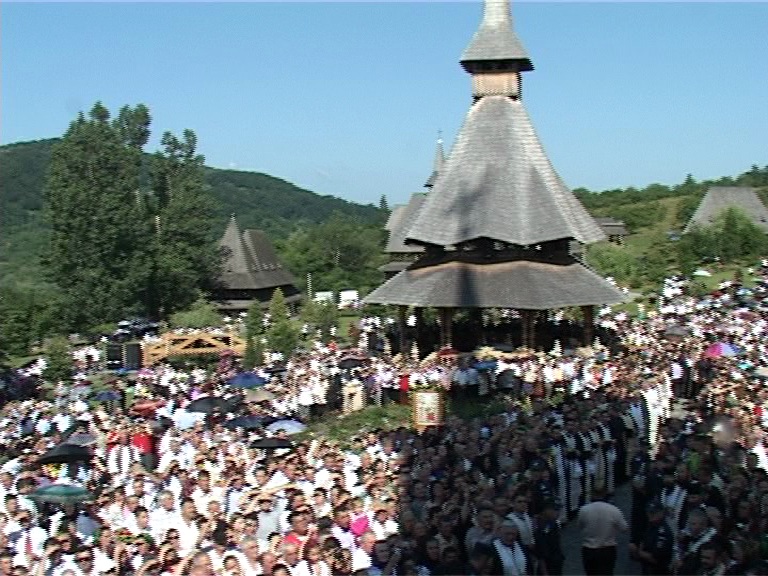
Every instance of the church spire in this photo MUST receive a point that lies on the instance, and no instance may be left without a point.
(439, 161)
(495, 56)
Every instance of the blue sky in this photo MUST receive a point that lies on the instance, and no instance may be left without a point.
(347, 98)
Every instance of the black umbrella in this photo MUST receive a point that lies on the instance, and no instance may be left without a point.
(351, 362)
(209, 405)
(277, 368)
(271, 443)
(246, 422)
(65, 454)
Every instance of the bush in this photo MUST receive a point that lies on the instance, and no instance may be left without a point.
(201, 314)
(614, 261)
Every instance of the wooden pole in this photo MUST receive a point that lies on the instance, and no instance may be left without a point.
(528, 318)
(446, 327)
(401, 328)
(588, 316)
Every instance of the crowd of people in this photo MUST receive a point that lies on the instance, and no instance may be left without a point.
(676, 410)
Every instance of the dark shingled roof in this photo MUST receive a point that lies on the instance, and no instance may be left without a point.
(495, 39)
(396, 241)
(251, 262)
(719, 198)
(520, 284)
(245, 304)
(498, 183)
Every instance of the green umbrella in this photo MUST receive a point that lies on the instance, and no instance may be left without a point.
(62, 494)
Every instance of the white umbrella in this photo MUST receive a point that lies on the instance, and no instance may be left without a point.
(289, 426)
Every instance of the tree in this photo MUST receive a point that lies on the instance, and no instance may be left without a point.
(615, 261)
(58, 357)
(321, 315)
(339, 253)
(90, 203)
(254, 333)
(731, 237)
(185, 257)
(282, 335)
(201, 314)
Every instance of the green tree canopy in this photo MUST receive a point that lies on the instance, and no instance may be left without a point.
(732, 237)
(339, 253)
(58, 357)
(201, 314)
(90, 195)
(283, 334)
(185, 256)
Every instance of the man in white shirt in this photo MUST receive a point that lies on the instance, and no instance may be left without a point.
(164, 517)
(29, 544)
(204, 494)
(361, 554)
(600, 523)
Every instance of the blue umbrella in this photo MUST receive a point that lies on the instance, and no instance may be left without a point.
(486, 365)
(289, 426)
(107, 395)
(247, 380)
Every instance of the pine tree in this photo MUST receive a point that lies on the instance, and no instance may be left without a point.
(254, 332)
(282, 335)
(58, 357)
(90, 203)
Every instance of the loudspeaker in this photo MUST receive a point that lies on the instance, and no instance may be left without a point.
(114, 356)
(132, 358)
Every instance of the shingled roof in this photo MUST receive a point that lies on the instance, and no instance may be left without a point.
(495, 40)
(612, 226)
(498, 183)
(395, 215)
(396, 241)
(720, 198)
(437, 166)
(251, 262)
(520, 284)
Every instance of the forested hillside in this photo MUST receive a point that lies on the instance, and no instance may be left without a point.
(258, 200)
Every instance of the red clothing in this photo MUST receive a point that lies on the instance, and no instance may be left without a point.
(404, 381)
(144, 442)
(293, 538)
(113, 439)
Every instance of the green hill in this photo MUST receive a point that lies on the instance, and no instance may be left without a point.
(259, 201)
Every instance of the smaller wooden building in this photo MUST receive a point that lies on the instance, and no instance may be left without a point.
(401, 255)
(720, 198)
(615, 230)
(252, 271)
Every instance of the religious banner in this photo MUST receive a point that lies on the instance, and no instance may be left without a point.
(428, 408)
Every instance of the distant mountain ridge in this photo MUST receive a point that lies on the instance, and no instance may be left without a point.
(259, 200)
